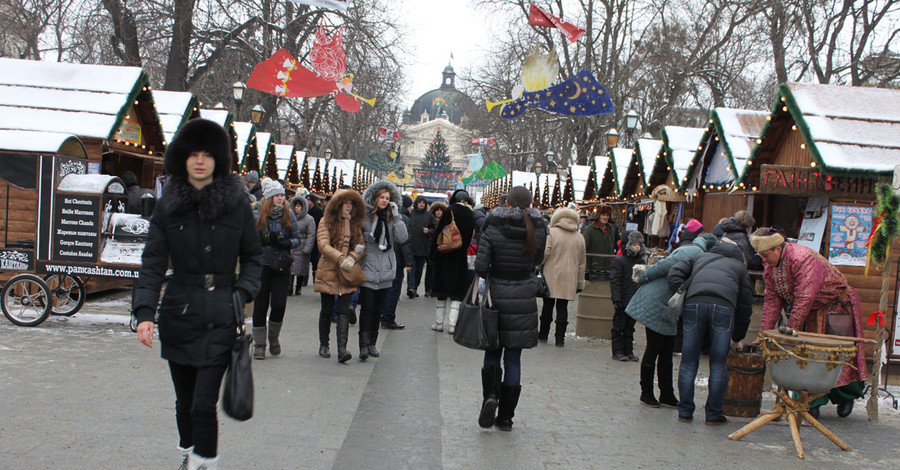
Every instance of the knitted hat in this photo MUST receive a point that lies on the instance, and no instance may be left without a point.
(694, 226)
(252, 177)
(766, 238)
(407, 201)
(271, 188)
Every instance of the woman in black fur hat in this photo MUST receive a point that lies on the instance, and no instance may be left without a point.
(204, 225)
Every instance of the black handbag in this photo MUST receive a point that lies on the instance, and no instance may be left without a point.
(478, 322)
(237, 398)
(282, 261)
(541, 289)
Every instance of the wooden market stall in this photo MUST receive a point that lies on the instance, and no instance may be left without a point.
(822, 152)
(225, 119)
(245, 147)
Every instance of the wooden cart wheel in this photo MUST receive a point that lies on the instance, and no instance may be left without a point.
(26, 300)
(68, 293)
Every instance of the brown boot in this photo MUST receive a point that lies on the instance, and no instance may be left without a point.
(259, 342)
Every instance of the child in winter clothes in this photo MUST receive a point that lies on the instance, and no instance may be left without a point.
(623, 287)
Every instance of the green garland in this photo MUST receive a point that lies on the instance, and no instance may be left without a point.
(888, 204)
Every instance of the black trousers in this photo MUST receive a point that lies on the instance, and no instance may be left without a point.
(273, 290)
(196, 399)
(659, 353)
(339, 304)
(622, 332)
(562, 317)
(414, 277)
(371, 303)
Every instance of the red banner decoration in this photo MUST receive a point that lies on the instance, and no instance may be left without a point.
(388, 134)
(487, 141)
(537, 16)
(879, 316)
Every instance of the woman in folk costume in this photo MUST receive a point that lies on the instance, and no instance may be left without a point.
(383, 228)
(809, 288)
(306, 225)
(564, 251)
(341, 244)
(450, 269)
(203, 226)
(512, 243)
(279, 234)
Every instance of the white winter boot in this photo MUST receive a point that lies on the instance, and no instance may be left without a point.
(195, 462)
(454, 314)
(185, 452)
(440, 307)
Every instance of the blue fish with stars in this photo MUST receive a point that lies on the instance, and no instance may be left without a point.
(580, 95)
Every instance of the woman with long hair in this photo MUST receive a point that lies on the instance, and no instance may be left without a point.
(512, 243)
(382, 230)
(279, 233)
(203, 226)
(341, 245)
(437, 211)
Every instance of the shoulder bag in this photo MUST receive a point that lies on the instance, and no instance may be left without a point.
(449, 239)
(676, 302)
(477, 325)
(541, 289)
(355, 276)
(237, 398)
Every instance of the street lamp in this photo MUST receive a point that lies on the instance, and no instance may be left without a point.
(237, 90)
(537, 169)
(612, 138)
(631, 122)
(551, 165)
(257, 115)
(327, 154)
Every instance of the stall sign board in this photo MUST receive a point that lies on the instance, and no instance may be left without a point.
(779, 179)
(16, 260)
(76, 225)
(815, 219)
(850, 229)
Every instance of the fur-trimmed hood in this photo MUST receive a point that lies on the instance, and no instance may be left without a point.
(369, 194)
(563, 213)
(216, 198)
(194, 135)
(509, 217)
(302, 201)
(333, 208)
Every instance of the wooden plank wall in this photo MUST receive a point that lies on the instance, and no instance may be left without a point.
(19, 213)
(719, 205)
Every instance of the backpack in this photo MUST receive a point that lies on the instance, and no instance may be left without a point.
(449, 239)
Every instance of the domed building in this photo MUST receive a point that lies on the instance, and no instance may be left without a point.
(443, 110)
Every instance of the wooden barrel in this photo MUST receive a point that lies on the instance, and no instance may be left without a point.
(746, 371)
(595, 310)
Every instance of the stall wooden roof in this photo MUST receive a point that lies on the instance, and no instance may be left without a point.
(42, 142)
(845, 130)
(245, 146)
(678, 148)
(647, 150)
(175, 108)
(284, 158)
(89, 101)
(726, 146)
(621, 161)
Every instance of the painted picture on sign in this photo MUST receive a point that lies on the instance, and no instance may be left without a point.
(815, 219)
(850, 228)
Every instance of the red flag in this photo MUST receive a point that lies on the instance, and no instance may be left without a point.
(539, 17)
(491, 141)
(282, 75)
(382, 132)
(476, 141)
(397, 136)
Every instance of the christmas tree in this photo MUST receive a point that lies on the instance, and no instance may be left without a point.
(317, 180)
(271, 165)
(304, 174)
(293, 174)
(436, 158)
(568, 193)
(555, 198)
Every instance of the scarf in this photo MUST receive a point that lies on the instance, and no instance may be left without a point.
(381, 234)
(277, 212)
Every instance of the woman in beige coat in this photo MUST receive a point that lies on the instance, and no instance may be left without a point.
(565, 249)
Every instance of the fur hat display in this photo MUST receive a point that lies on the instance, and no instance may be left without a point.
(766, 238)
(271, 188)
(252, 177)
(194, 135)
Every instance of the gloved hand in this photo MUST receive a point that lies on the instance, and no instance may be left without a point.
(282, 241)
(241, 296)
(359, 249)
(347, 263)
(267, 239)
(394, 209)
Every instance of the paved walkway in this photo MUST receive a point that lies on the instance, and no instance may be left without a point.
(82, 393)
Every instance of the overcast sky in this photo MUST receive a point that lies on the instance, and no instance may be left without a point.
(437, 28)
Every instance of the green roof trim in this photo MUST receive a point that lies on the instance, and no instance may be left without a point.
(139, 84)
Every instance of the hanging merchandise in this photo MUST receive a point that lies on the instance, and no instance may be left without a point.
(580, 95)
(283, 75)
(537, 16)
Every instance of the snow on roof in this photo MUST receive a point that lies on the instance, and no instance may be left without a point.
(523, 178)
(648, 150)
(345, 165)
(548, 179)
(739, 129)
(91, 184)
(243, 131)
(38, 141)
(173, 108)
(79, 99)
(580, 176)
(622, 158)
(682, 143)
(283, 155)
(219, 116)
(852, 128)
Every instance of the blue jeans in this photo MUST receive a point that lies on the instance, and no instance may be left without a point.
(512, 364)
(717, 321)
(389, 311)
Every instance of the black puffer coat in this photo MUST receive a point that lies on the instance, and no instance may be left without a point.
(420, 242)
(735, 231)
(722, 280)
(203, 232)
(510, 273)
(621, 284)
(450, 268)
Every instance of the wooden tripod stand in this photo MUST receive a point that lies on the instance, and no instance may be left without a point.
(792, 408)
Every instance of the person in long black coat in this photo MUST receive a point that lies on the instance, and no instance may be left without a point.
(203, 226)
(622, 287)
(512, 243)
(450, 281)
